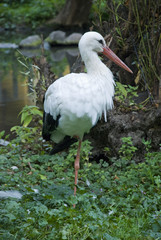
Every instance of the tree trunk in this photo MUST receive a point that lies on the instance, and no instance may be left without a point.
(75, 12)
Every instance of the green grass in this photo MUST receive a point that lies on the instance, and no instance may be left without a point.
(115, 200)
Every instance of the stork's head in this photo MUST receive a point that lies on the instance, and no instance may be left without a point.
(93, 41)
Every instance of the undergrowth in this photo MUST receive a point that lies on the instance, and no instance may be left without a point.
(118, 199)
(32, 13)
(115, 200)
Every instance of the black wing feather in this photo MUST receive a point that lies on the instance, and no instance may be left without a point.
(64, 144)
(49, 125)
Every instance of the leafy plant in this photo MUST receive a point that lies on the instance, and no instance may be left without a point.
(125, 95)
(28, 12)
(27, 138)
(2, 133)
(149, 41)
(147, 144)
(28, 113)
(98, 11)
(127, 149)
(115, 203)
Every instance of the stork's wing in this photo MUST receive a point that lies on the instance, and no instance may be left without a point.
(51, 111)
(49, 125)
(74, 96)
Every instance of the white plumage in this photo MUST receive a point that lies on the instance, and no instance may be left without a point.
(80, 99)
(74, 103)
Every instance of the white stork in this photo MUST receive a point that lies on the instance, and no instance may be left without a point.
(74, 103)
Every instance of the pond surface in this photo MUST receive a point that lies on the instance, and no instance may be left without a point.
(14, 93)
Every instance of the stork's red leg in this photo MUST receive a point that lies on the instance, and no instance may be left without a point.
(76, 166)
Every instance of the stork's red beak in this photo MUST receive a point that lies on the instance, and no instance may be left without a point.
(113, 57)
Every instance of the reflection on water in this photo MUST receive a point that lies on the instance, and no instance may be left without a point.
(13, 96)
(13, 91)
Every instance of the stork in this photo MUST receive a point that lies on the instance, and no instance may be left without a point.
(74, 103)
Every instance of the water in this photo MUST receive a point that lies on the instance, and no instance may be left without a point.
(13, 91)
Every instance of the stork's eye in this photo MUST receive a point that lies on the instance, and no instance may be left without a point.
(100, 41)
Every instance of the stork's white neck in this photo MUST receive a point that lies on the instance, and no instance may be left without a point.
(93, 63)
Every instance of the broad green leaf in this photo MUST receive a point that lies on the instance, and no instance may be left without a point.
(27, 120)
(14, 128)
(121, 89)
(2, 133)
(35, 111)
(24, 115)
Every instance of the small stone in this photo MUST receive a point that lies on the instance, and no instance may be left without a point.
(14, 168)
(3, 142)
(35, 190)
(31, 42)
(56, 37)
(87, 182)
(8, 45)
(73, 39)
(10, 194)
(59, 38)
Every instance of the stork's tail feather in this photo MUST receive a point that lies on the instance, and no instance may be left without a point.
(64, 144)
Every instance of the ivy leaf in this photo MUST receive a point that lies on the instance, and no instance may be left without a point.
(42, 177)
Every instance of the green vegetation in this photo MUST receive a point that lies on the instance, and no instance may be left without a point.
(27, 12)
(134, 25)
(125, 94)
(98, 11)
(118, 199)
(140, 27)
